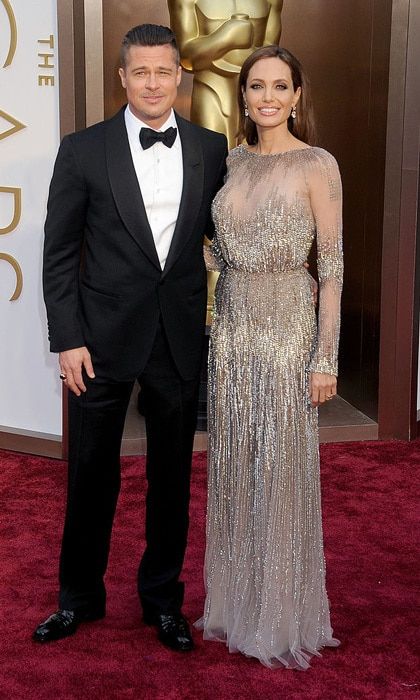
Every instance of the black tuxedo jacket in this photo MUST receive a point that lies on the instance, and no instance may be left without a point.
(103, 284)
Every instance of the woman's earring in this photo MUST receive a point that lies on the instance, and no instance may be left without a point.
(246, 111)
(293, 112)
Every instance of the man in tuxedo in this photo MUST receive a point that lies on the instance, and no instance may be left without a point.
(125, 291)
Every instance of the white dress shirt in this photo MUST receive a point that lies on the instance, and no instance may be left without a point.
(160, 175)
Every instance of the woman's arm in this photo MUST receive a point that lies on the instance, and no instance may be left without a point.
(326, 201)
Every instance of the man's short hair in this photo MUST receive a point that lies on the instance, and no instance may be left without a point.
(148, 35)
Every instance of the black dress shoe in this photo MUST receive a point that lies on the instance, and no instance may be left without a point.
(61, 624)
(173, 630)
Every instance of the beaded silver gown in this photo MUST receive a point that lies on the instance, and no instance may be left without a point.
(264, 564)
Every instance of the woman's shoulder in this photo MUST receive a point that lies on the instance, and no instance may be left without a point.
(235, 157)
(322, 169)
(320, 165)
(322, 156)
(236, 152)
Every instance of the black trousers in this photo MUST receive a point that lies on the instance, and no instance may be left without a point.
(96, 422)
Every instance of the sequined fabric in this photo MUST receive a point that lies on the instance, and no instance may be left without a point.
(264, 567)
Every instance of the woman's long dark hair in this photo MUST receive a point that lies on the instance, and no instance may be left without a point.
(303, 126)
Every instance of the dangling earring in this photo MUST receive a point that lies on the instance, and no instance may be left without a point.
(246, 111)
(293, 112)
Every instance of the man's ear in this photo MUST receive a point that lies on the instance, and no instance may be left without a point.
(121, 73)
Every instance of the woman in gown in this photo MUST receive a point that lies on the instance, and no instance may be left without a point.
(271, 364)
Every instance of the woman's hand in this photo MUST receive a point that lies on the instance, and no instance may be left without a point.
(322, 387)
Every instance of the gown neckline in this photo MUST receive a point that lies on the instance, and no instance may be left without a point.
(278, 153)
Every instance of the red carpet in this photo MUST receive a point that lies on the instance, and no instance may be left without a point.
(369, 492)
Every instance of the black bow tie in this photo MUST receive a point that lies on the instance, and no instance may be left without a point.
(148, 137)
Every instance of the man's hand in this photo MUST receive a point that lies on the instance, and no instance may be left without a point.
(322, 387)
(71, 365)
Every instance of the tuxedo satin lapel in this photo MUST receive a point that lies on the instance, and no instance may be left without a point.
(125, 186)
(192, 190)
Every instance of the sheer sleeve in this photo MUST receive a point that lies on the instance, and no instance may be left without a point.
(213, 256)
(326, 201)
